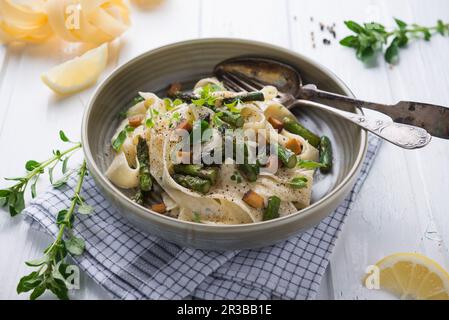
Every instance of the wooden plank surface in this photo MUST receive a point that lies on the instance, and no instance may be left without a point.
(403, 205)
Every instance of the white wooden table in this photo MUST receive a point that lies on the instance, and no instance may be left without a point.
(404, 204)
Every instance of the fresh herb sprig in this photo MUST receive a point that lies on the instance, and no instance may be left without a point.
(121, 137)
(14, 196)
(371, 38)
(53, 272)
(206, 97)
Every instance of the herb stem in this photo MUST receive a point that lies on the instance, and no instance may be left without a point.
(82, 173)
(417, 29)
(48, 162)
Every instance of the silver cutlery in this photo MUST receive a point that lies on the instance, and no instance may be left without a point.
(403, 124)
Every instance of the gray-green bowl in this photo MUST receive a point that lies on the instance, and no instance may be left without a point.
(189, 61)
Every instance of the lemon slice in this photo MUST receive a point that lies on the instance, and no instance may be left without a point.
(78, 73)
(413, 276)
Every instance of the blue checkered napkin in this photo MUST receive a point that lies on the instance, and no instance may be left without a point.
(131, 264)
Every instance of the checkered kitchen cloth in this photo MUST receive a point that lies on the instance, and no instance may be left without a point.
(131, 264)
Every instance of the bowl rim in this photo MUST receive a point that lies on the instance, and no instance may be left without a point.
(148, 214)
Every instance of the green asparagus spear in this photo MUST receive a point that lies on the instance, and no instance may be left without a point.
(272, 209)
(192, 183)
(246, 97)
(145, 181)
(296, 128)
(235, 120)
(325, 154)
(184, 96)
(196, 170)
(249, 171)
(287, 157)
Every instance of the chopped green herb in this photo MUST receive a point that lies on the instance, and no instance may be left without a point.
(121, 137)
(298, 182)
(129, 129)
(149, 123)
(196, 217)
(309, 164)
(206, 99)
(176, 117)
(168, 104)
(232, 106)
(118, 142)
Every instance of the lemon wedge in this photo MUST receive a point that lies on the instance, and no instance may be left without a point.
(78, 73)
(413, 276)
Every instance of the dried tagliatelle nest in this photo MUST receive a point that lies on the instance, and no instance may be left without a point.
(35, 21)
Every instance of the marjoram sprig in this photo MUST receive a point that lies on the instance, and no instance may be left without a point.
(372, 38)
(53, 272)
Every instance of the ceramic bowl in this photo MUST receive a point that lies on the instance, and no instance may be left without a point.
(187, 62)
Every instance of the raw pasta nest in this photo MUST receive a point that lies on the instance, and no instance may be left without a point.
(91, 21)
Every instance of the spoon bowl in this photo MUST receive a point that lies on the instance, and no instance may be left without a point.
(266, 71)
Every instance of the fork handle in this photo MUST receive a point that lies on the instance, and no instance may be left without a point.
(311, 91)
(431, 117)
(402, 135)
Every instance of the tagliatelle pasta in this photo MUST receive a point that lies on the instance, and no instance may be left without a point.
(99, 20)
(214, 187)
(91, 21)
(23, 22)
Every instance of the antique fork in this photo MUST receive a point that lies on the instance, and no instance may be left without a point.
(402, 135)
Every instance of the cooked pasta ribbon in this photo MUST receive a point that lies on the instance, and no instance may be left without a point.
(223, 202)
